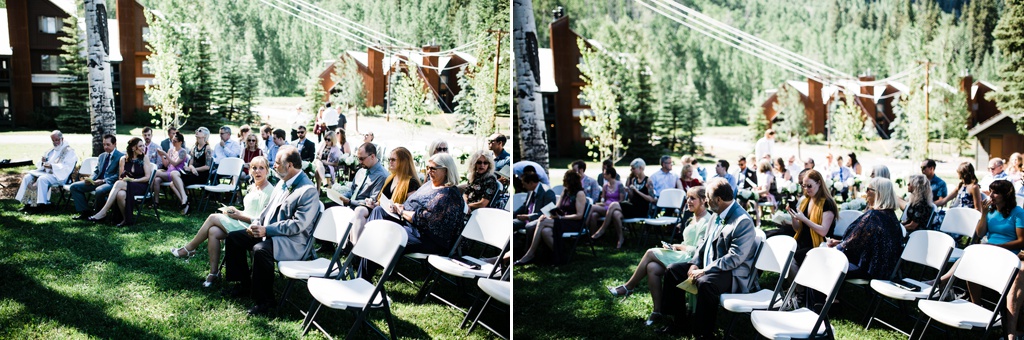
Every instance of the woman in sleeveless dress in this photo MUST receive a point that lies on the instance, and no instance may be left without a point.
(198, 169)
(135, 172)
(612, 193)
(566, 218)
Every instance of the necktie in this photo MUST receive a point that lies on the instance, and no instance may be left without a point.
(709, 240)
(103, 169)
(275, 203)
(530, 202)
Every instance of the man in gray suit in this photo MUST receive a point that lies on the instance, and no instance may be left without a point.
(529, 212)
(102, 179)
(371, 185)
(721, 264)
(280, 233)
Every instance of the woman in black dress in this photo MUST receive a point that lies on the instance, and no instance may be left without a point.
(641, 191)
(135, 172)
(198, 169)
(567, 217)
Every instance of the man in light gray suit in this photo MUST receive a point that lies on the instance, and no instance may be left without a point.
(721, 264)
(280, 233)
(102, 179)
(371, 185)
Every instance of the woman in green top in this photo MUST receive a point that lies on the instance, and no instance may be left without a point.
(656, 259)
(231, 219)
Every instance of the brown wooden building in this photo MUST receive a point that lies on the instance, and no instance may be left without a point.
(995, 132)
(874, 100)
(565, 134)
(33, 28)
(375, 69)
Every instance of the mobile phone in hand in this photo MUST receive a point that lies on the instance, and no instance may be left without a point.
(666, 245)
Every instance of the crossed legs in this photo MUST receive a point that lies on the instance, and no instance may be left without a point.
(118, 194)
(543, 233)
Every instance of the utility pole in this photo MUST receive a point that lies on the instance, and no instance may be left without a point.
(497, 66)
(927, 102)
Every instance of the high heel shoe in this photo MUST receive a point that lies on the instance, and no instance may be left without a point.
(654, 318)
(93, 218)
(615, 291)
(521, 262)
(177, 253)
(184, 208)
(210, 279)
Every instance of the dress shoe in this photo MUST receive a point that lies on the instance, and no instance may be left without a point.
(262, 309)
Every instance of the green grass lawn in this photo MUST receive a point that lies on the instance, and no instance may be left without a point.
(572, 301)
(75, 279)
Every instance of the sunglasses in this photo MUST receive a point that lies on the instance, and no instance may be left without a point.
(807, 186)
(432, 168)
(392, 159)
(481, 163)
(441, 149)
(252, 140)
(869, 189)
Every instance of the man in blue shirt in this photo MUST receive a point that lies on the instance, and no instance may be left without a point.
(722, 170)
(939, 190)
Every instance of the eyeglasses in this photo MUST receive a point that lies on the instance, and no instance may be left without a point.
(491, 141)
(440, 149)
(481, 162)
(362, 158)
(392, 159)
(869, 189)
(432, 168)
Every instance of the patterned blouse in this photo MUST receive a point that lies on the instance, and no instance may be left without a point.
(439, 213)
(873, 243)
(484, 187)
(919, 213)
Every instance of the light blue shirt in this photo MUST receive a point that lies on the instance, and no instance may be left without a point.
(1004, 229)
(732, 181)
(231, 148)
(272, 153)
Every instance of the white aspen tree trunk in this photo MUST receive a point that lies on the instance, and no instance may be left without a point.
(101, 92)
(532, 137)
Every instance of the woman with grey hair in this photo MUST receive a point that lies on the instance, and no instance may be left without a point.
(433, 215)
(198, 169)
(437, 146)
(641, 191)
(483, 185)
(880, 171)
(918, 212)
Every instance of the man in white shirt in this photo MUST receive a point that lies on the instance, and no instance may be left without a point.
(329, 116)
(54, 168)
(996, 171)
(764, 147)
(793, 167)
(227, 147)
(664, 178)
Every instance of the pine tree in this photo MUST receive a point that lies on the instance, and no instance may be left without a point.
(74, 93)
(197, 81)
(314, 93)
(166, 90)
(633, 94)
(847, 125)
(793, 113)
(1009, 36)
(602, 123)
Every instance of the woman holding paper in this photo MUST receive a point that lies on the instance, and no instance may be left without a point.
(230, 219)
(566, 217)
(400, 183)
(653, 264)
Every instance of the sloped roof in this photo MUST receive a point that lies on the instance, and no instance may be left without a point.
(987, 124)
(68, 6)
(547, 71)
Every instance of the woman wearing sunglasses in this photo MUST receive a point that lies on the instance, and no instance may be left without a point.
(251, 143)
(483, 185)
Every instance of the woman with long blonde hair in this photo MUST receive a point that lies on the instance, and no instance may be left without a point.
(401, 182)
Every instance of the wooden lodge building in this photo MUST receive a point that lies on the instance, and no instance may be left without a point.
(30, 58)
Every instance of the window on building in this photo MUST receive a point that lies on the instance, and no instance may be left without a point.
(145, 99)
(49, 62)
(115, 72)
(51, 98)
(145, 67)
(145, 34)
(5, 69)
(5, 107)
(48, 25)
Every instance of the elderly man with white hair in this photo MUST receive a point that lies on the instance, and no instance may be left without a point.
(54, 168)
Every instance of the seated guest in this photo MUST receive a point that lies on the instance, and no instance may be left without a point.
(277, 140)
(722, 263)
(605, 164)
(880, 171)
(279, 233)
(327, 160)
(968, 191)
(433, 215)
(611, 207)
(918, 212)
(135, 172)
(373, 182)
(839, 174)
(590, 186)
(266, 134)
(652, 265)
(872, 242)
(527, 214)
(305, 146)
(746, 177)
(227, 148)
(54, 168)
(518, 167)
(483, 184)
(815, 217)
(217, 226)
(250, 152)
(664, 178)
(102, 180)
(346, 148)
(243, 134)
(400, 183)
(937, 185)
(853, 164)
(166, 143)
(566, 217)
(197, 171)
(641, 191)
(809, 163)
(175, 160)
(686, 177)
(780, 171)
(721, 171)
(496, 143)
(766, 189)
(997, 171)
(154, 153)
(435, 147)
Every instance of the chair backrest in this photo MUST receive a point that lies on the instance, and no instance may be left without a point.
(343, 217)
(960, 221)
(776, 252)
(308, 250)
(88, 166)
(760, 234)
(487, 225)
(846, 217)
(929, 248)
(231, 167)
(671, 198)
(380, 242)
(558, 189)
(328, 227)
(822, 269)
(990, 266)
(518, 200)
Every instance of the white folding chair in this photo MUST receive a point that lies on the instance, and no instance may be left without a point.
(960, 221)
(669, 199)
(488, 226)
(928, 248)
(518, 200)
(990, 266)
(500, 290)
(89, 166)
(584, 232)
(845, 218)
(381, 242)
(823, 270)
(558, 190)
(228, 167)
(333, 226)
(775, 255)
